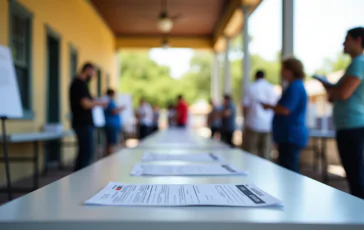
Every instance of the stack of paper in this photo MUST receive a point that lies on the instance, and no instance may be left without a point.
(185, 170)
(246, 195)
(199, 157)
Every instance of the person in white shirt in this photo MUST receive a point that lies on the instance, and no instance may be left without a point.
(145, 118)
(258, 121)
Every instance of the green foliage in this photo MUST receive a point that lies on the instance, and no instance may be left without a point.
(198, 78)
(271, 69)
(142, 77)
(332, 65)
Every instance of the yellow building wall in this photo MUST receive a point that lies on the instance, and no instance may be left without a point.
(77, 24)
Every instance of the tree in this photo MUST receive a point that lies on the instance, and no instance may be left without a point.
(144, 78)
(332, 65)
(199, 75)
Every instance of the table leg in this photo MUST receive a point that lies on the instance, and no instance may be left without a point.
(6, 160)
(60, 161)
(45, 160)
(325, 177)
(316, 152)
(36, 165)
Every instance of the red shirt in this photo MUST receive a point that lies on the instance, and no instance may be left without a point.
(182, 111)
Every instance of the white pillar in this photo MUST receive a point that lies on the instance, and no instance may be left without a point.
(227, 86)
(287, 28)
(246, 60)
(215, 94)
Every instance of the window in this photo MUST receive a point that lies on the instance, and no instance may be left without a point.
(73, 62)
(20, 44)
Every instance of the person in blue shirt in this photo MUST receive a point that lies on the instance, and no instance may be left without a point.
(213, 119)
(228, 116)
(348, 113)
(289, 123)
(113, 124)
(155, 125)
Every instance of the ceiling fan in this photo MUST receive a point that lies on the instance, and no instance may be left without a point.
(165, 23)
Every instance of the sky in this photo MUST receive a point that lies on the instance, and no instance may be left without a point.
(320, 28)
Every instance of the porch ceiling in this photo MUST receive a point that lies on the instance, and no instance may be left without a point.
(203, 21)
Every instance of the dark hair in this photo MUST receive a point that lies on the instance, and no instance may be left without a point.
(259, 74)
(87, 65)
(295, 66)
(227, 97)
(110, 92)
(180, 97)
(357, 32)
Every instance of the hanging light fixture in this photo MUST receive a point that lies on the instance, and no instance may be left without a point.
(165, 24)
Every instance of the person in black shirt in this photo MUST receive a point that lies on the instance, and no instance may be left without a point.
(82, 103)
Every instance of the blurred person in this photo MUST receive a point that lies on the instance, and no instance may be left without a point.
(155, 125)
(171, 114)
(289, 123)
(81, 103)
(348, 112)
(113, 122)
(145, 118)
(213, 119)
(181, 112)
(228, 116)
(257, 120)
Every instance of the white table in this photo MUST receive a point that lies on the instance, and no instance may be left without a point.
(35, 138)
(308, 204)
(180, 139)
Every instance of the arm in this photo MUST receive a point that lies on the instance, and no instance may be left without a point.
(278, 109)
(209, 120)
(345, 89)
(117, 110)
(245, 110)
(227, 112)
(246, 103)
(288, 102)
(140, 113)
(88, 103)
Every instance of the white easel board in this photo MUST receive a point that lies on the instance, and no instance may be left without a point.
(10, 102)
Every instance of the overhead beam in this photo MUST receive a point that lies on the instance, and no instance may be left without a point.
(224, 19)
(231, 22)
(148, 42)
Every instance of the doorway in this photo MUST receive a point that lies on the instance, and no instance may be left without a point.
(53, 99)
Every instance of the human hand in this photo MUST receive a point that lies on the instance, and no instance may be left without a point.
(104, 103)
(266, 106)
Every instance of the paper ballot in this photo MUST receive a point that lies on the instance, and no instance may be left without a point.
(245, 195)
(98, 116)
(198, 157)
(185, 170)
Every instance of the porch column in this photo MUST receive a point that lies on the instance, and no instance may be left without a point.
(227, 74)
